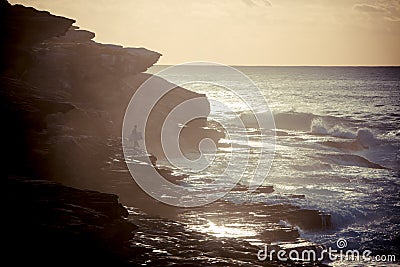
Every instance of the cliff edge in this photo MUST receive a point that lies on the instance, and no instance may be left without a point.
(65, 97)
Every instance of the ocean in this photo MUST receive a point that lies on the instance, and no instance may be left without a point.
(336, 147)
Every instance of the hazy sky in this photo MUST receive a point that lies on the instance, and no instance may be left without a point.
(245, 32)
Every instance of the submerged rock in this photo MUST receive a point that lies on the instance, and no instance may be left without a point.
(310, 219)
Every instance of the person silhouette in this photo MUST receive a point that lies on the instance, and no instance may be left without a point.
(135, 137)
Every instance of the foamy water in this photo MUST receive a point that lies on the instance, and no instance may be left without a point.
(337, 143)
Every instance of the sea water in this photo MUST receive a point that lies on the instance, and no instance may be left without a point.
(337, 143)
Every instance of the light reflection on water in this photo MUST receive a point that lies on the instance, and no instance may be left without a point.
(306, 163)
(233, 230)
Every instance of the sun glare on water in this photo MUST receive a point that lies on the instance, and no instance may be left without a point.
(227, 230)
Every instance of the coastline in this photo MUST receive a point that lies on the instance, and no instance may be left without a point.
(65, 96)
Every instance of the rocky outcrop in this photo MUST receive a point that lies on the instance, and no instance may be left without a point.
(172, 243)
(21, 28)
(309, 219)
(24, 113)
(50, 224)
(69, 101)
(63, 97)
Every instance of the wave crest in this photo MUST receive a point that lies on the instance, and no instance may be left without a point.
(365, 137)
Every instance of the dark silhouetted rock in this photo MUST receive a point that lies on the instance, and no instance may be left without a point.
(21, 28)
(310, 219)
(50, 224)
(75, 35)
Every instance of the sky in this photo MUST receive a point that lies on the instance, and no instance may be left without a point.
(244, 32)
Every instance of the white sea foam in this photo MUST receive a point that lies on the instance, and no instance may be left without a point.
(364, 136)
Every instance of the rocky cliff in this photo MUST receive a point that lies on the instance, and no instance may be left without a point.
(64, 96)
(62, 100)
(52, 225)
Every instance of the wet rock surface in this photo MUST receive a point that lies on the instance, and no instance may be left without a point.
(256, 222)
(171, 243)
(241, 229)
(80, 226)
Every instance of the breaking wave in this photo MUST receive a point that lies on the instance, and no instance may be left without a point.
(365, 137)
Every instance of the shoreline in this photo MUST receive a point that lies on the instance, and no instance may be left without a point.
(65, 96)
